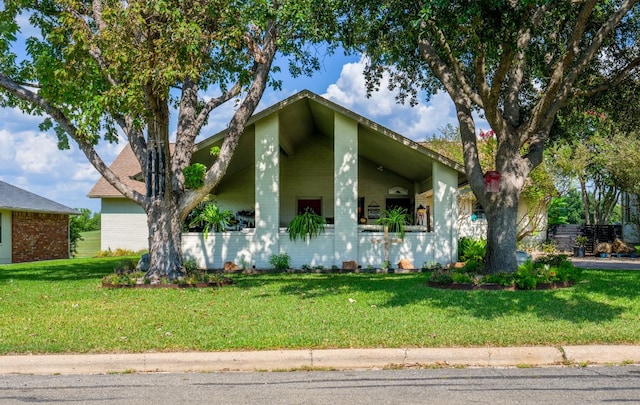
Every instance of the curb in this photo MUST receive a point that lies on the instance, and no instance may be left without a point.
(341, 359)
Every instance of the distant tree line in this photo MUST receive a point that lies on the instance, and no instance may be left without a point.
(85, 222)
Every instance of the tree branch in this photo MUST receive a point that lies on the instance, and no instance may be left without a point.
(456, 73)
(238, 122)
(86, 147)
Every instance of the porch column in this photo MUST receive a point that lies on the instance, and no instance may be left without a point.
(345, 150)
(445, 213)
(267, 173)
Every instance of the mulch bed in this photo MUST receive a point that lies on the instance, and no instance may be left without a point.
(222, 283)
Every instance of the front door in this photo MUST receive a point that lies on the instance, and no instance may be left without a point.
(5, 237)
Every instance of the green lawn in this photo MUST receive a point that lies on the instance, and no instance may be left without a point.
(89, 246)
(60, 307)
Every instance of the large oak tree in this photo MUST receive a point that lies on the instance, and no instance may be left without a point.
(516, 62)
(100, 68)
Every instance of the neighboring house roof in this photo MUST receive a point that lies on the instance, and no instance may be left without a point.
(127, 167)
(13, 198)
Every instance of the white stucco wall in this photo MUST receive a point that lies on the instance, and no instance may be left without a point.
(478, 229)
(240, 247)
(123, 225)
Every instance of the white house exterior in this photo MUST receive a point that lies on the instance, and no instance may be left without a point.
(308, 150)
(123, 223)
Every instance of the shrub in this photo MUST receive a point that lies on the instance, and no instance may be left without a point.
(472, 249)
(441, 276)
(281, 261)
(212, 217)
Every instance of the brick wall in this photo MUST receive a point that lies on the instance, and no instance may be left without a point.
(39, 236)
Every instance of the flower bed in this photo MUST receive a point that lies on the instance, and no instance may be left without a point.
(545, 273)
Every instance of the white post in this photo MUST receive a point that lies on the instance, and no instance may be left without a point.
(445, 213)
(345, 149)
(267, 174)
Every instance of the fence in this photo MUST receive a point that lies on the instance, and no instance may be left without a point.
(565, 235)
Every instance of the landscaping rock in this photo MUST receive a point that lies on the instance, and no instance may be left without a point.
(350, 265)
(230, 266)
(405, 264)
(143, 263)
(522, 256)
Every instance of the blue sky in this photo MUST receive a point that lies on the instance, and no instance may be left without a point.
(30, 159)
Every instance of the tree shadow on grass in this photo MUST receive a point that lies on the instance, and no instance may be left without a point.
(579, 303)
(62, 270)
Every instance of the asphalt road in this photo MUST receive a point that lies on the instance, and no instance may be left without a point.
(553, 385)
(591, 262)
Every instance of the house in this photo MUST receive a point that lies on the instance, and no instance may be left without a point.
(304, 152)
(123, 224)
(32, 227)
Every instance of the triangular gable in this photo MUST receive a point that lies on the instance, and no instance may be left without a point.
(307, 113)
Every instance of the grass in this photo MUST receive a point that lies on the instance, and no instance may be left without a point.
(60, 307)
(89, 246)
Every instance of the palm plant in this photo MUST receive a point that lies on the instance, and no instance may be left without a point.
(213, 217)
(395, 219)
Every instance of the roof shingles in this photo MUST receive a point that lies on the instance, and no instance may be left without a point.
(13, 198)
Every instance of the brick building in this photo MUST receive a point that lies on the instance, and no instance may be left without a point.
(32, 227)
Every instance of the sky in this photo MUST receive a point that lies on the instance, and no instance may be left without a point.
(31, 160)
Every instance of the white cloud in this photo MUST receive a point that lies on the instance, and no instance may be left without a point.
(416, 122)
(38, 153)
(7, 151)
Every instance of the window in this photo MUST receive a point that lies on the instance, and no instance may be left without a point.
(0, 227)
(478, 212)
(310, 204)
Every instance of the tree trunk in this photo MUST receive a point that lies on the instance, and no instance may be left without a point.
(165, 241)
(501, 233)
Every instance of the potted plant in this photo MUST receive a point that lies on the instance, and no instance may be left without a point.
(394, 219)
(306, 226)
(212, 216)
(580, 244)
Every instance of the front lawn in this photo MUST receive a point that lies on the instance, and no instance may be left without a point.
(60, 307)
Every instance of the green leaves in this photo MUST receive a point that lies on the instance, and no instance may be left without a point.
(395, 218)
(306, 226)
(213, 217)
(194, 175)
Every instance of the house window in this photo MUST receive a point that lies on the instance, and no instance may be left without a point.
(310, 204)
(0, 228)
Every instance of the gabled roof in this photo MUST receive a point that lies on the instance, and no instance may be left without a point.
(307, 113)
(13, 198)
(126, 166)
(302, 115)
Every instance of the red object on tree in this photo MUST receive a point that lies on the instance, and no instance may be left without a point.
(491, 181)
